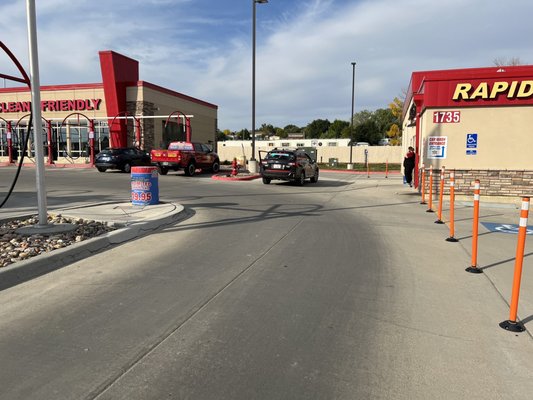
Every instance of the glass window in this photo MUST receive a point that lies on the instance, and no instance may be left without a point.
(280, 156)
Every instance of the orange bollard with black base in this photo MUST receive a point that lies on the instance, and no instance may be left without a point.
(441, 195)
(423, 188)
(473, 267)
(511, 324)
(387, 169)
(430, 195)
(452, 208)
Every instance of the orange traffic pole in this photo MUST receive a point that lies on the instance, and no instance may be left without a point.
(430, 195)
(387, 169)
(441, 195)
(423, 185)
(511, 324)
(473, 266)
(452, 208)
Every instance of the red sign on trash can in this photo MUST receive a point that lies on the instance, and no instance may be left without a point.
(144, 186)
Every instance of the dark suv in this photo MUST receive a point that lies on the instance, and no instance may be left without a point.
(288, 165)
(122, 158)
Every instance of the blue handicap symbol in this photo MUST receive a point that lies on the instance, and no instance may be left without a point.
(505, 228)
(471, 140)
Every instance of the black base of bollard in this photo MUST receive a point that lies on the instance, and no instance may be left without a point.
(512, 326)
(423, 202)
(474, 270)
(451, 239)
(439, 221)
(430, 210)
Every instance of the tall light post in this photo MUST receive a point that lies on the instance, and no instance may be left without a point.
(351, 116)
(253, 162)
(36, 109)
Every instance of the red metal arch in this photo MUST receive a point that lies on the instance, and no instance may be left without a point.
(48, 135)
(25, 79)
(137, 128)
(9, 140)
(91, 132)
(186, 120)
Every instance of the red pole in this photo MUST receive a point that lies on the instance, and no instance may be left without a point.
(49, 139)
(138, 132)
(441, 195)
(423, 185)
(91, 141)
(512, 324)
(473, 266)
(452, 208)
(9, 142)
(430, 203)
(188, 129)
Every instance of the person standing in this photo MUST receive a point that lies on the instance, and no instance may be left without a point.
(409, 166)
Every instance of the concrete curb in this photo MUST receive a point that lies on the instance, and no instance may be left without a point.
(34, 267)
(55, 165)
(235, 178)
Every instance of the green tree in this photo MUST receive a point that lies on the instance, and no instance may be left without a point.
(315, 129)
(384, 118)
(281, 133)
(361, 117)
(367, 132)
(348, 133)
(336, 128)
(243, 134)
(268, 129)
(292, 129)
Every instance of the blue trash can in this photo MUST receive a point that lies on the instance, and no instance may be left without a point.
(144, 186)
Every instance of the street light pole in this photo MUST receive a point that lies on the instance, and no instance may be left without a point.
(36, 109)
(351, 116)
(253, 164)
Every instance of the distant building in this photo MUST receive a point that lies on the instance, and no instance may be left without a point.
(119, 111)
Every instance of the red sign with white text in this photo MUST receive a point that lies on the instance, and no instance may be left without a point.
(52, 105)
(446, 117)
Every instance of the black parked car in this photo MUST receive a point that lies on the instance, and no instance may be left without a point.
(294, 165)
(122, 158)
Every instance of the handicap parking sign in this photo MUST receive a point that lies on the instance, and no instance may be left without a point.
(471, 140)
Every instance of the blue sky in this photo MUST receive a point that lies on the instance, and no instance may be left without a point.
(202, 48)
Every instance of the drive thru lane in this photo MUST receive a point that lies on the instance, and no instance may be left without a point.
(267, 292)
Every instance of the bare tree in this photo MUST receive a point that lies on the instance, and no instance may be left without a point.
(503, 62)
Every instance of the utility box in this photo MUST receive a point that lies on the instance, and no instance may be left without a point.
(333, 162)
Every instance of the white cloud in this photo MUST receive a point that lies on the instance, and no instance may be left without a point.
(303, 51)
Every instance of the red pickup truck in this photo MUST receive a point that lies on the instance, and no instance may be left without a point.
(188, 156)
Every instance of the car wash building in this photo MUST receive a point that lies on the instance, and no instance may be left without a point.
(477, 122)
(120, 111)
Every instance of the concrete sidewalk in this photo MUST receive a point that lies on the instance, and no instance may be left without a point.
(131, 222)
(496, 249)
